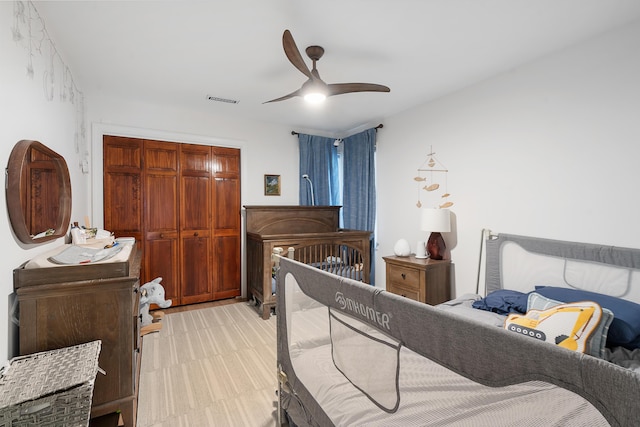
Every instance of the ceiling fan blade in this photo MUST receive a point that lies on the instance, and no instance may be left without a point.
(292, 52)
(282, 98)
(340, 88)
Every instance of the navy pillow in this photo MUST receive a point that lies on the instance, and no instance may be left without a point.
(625, 327)
(503, 301)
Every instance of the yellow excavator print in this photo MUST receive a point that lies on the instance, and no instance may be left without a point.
(527, 325)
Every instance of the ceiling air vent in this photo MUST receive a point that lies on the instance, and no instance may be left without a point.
(217, 99)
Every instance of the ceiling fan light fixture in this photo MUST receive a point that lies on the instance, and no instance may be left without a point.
(314, 91)
(315, 97)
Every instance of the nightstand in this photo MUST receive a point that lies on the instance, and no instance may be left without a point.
(423, 280)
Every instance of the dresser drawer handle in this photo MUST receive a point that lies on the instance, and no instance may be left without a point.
(404, 276)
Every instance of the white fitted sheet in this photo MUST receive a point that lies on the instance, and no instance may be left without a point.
(431, 395)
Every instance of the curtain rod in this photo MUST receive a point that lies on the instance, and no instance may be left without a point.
(380, 126)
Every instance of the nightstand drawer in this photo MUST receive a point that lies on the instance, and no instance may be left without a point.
(408, 278)
(413, 294)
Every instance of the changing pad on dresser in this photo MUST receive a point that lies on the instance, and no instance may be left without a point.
(57, 257)
(75, 254)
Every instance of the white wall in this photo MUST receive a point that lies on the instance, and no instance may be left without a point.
(550, 149)
(27, 114)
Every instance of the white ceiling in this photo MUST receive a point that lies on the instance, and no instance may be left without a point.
(178, 52)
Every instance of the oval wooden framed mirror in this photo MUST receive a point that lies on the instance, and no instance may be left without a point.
(38, 193)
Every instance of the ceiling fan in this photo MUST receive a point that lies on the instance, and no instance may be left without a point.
(314, 89)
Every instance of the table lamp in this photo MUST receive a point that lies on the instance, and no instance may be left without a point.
(435, 221)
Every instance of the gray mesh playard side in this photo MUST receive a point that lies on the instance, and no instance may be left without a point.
(352, 354)
(522, 262)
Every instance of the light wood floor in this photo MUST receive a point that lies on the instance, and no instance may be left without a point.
(211, 364)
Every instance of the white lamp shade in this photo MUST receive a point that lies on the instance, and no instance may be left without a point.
(435, 220)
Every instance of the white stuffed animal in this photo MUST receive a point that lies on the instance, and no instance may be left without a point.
(151, 293)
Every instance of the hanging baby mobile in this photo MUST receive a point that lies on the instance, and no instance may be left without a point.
(431, 174)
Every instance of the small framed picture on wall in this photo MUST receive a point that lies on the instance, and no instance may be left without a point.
(272, 185)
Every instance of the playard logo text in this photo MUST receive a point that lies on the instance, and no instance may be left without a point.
(365, 311)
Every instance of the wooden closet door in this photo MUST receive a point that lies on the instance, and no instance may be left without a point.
(195, 223)
(161, 161)
(122, 183)
(182, 204)
(226, 222)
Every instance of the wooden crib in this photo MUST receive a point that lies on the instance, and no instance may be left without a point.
(316, 239)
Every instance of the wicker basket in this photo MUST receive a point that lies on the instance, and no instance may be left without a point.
(51, 388)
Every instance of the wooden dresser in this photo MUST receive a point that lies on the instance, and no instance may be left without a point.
(69, 305)
(424, 280)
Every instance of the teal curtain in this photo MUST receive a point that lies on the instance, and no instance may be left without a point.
(319, 160)
(359, 185)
